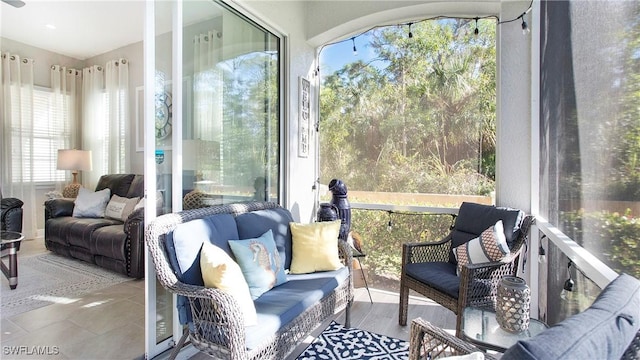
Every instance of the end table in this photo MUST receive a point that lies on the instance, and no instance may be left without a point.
(10, 240)
(480, 327)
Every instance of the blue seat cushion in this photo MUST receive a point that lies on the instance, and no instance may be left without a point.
(254, 224)
(602, 331)
(282, 304)
(439, 275)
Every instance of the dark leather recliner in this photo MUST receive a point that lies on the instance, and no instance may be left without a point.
(11, 216)
(106, 242)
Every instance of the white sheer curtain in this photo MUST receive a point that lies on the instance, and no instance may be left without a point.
(16, 103)
(207, 86)
(207, 98)
(95, 127)
(117, 90)
(105, 114)
(65, 86)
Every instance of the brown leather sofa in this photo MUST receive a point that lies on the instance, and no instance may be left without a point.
(109, 243)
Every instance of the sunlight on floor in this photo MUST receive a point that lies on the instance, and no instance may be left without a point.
(54, 299)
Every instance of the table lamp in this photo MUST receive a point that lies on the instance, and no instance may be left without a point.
(74, 160)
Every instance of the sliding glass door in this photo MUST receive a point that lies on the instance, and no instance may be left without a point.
(212, 123)
(231, 135)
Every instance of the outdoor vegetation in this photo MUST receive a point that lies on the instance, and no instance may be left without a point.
(417, 116)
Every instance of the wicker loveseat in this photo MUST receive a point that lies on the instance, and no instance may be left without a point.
(285, 314)
(608, 329)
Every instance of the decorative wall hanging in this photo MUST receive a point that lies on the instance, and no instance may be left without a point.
(304, 111)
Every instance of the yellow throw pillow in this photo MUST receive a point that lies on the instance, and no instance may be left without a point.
(315, 247)
(221, 272)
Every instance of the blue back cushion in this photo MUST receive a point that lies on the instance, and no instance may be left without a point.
(603, 331)
(474, 218)
(256, 223)
(185, 242)
(183, 247)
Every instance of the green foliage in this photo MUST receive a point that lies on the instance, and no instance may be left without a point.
(384, 247)
(419, 117)
(612, 237)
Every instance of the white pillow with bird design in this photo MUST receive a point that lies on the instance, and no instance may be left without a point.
(260, 263)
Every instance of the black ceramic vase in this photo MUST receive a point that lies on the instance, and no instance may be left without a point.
(327, 212)
(340, 201)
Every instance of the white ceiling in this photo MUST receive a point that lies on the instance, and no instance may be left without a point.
(83, 29)
(86, 28)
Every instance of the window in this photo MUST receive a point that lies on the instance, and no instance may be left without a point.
(38, 156)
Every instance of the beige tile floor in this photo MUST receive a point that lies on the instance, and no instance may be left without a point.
(106, 324)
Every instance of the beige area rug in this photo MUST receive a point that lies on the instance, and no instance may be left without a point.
(49, 278)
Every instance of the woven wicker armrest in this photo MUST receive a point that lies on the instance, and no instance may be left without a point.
(217, 319)
(431, 342)
(426, 252)
(479, 283)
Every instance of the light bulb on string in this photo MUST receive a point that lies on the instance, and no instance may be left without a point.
(389, 224)
(525, 27)
(542, 254)
(410, 33)
(476, 31)
(567, 288)
(355, 51)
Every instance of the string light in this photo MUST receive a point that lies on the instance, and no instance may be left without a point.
(542, 254)
(525, 27)
(389, 225)
(567, 289)
(476, 30)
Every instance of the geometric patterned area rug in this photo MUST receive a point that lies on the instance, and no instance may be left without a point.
(50, 278)
(338, 342)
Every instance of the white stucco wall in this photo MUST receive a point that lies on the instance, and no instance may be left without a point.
(513, 156)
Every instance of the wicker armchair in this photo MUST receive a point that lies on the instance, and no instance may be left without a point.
(429, 268)
(431, 342)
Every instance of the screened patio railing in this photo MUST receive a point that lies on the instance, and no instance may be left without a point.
(384, 228)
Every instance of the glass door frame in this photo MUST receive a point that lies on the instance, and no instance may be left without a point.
(152, 347)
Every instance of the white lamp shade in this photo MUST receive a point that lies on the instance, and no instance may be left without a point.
(71, 159)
